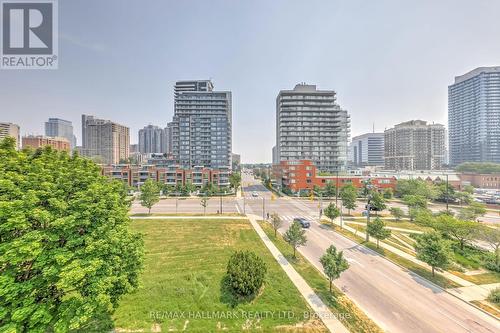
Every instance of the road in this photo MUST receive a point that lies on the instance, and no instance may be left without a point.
(397, 300)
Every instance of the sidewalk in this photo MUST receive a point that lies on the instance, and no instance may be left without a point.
(321, 310)
(407, 256)
(474, 293)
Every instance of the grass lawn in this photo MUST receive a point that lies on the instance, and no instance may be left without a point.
(185, 265)
(351, 316)
(410, 265)
(390, 222)
(484, 278)
(184, 214)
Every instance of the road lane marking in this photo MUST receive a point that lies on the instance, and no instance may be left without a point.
(237, 208)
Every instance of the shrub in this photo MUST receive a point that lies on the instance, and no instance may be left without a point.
(245, 273)
(494, 296)
(490, 264)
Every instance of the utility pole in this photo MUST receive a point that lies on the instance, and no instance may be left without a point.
(368, 210)
(337, 189)
(221, 204)
(244, 206)
(263, 208)
(447, 192)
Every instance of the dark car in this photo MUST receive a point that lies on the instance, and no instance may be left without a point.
(303, 222)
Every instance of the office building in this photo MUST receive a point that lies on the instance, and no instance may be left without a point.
(39, 141)
(310, 125)
(153, 139)
(104, 140)
(474, 116)
(202, 125)
(367, 150)
(10, 130)
(414, 145)
(56, 127)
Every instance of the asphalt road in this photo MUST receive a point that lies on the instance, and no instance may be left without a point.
(399, 301)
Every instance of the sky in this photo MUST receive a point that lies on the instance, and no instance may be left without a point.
(388, 60)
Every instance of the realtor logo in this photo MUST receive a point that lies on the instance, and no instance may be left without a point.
(29, 35)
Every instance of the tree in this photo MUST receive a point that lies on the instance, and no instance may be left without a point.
(276, 222)
(415, 201)
(377, 202)
(349, 194)
(396, 212)
(491, 235)
(460, 230)
(432, 249)
(150, 194)
(204, 204)
(295, 236)
(478, 167)
(388, 193)
(463, 197)
(377, 230)
(469, 189)
(333, 263)
(415, 187)
(473, 211)
(245, 273)
(445, 192)
(235, 180)
(332, 212)
(330, 189)
(67, 254)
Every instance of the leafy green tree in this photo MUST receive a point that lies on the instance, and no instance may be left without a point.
(473, 211)
(295, 236)
(415, 201)
(415, 187)
(432, 249)
(333, 263)
(469, 189)
(349, 194)
(463, 197)
(276, 222)
(396, 212)
(388, 193)
(67, 255)
(491, 235)
(378, 230)
(330, 189)
(478, 167)
(460, 230)
(377, 202)
(235, 180)
(245, 273)
(445, 191)
(150, 194)
(204, 204)
(332, 212)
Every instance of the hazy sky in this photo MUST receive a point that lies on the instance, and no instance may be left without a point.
(389, 61)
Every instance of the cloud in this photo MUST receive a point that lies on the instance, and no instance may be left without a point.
(96, 47)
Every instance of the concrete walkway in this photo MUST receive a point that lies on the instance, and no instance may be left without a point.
(322, 311)
(474, 293)
(211, 217)
(449, 276)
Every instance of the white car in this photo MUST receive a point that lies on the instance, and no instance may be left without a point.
(254, 194)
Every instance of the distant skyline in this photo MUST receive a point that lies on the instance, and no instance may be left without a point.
(388, 61)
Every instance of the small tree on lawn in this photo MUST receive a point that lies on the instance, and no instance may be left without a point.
(432, 249)
(332, 212)
(388, 193)
(473, 211)
(330, 189)
(333, 263)
(245, 272)
(150, 194)
(462, 231)
(235, 180)
(397, 213)
(276, 222)
(377, 230)
(377, 202)
(295, 236)
(492, 237)
(204, 204)
(349, 194)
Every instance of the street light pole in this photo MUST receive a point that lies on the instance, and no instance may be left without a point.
(337, 189)
(263, 208)
(244, 206)
(221, 204)
(447, 193)
(368, 210)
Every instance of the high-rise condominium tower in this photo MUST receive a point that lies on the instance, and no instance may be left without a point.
(56, 127)
(474, 116)
(10, 130)
(414, 145)
(104, 138)
(153, 139)
(367, 150)
(202, 125)
(310, 125)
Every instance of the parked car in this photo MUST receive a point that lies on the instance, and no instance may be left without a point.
(254, 194)
(303, 222)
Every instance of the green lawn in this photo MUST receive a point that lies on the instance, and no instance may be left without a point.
(185, 265)
(390, 222)
(351, 316)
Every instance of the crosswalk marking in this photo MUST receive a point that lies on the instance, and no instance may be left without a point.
(289, 218)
